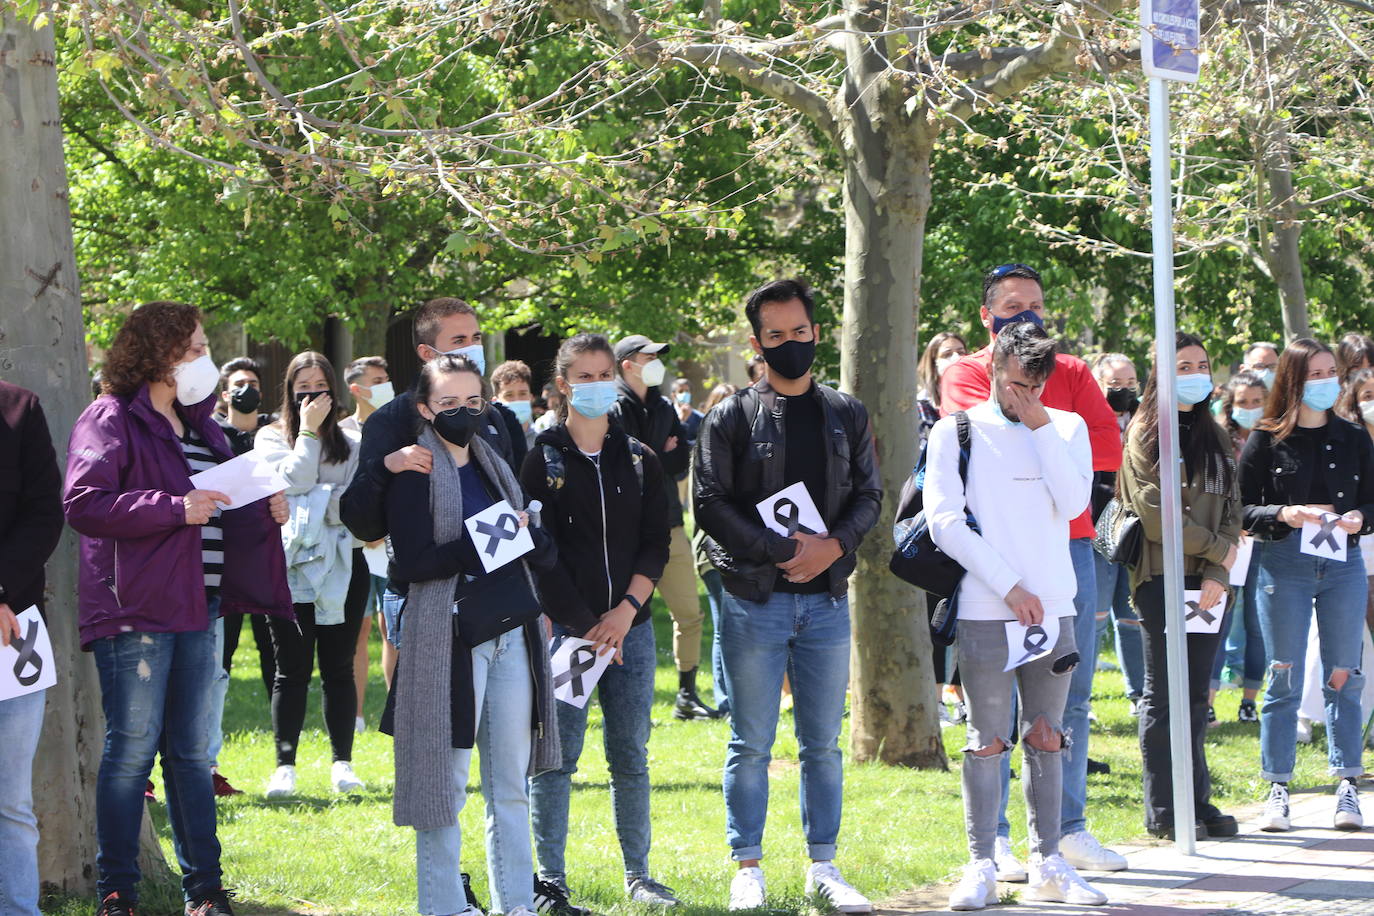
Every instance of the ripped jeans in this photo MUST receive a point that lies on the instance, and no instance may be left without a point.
(1287, 582)
(1043, 687)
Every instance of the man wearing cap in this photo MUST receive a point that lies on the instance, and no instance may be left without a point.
(643, 412)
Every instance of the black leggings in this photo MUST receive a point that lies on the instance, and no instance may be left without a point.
(262, 635)
(295, 644)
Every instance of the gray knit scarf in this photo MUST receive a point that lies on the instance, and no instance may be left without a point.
(425, 796)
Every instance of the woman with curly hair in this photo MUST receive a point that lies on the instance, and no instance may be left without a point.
(159, 562)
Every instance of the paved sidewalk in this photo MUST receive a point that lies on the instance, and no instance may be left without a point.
(1311, 869)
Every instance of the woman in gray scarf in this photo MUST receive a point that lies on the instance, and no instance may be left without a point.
(487, 665)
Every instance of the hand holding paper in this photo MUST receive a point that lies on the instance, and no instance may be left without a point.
(792, 510)
(242, 480)
(26, 664)
(499, 535)
(1198, 615)
(576, 667)
(1324, 539)
(1027, 643)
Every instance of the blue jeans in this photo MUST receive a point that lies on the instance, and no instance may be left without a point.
(503, 694)
(806, 636)
(1289, 581)
(155, 689)
(21, 721)
(392, 605)
(1245, 647)
(1080, 689)
(220, 691)
(1114, 594)
(715, 590)
(626, 695)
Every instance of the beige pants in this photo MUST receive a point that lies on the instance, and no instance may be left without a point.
(678, 586)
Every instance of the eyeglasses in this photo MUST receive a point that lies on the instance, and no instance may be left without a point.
(1001, 271)
(473, 405)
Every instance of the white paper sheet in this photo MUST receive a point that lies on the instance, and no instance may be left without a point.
(497, 533)
(1026, 644)
(1196, 618)
(1324, 540)
(245, 479)
(790, 510)
(1244, 550)
(376, 560)
(576, 669)
(26, 664)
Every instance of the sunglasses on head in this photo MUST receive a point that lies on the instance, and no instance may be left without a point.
(1001, 271)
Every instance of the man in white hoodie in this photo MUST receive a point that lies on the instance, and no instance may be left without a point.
(1029, 474)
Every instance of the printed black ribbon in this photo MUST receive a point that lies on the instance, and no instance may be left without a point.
(1036, 643)
(788, 514)
(1327, 535)
(1195, 610)
(580, 661)
(499, 532)
(27, 647)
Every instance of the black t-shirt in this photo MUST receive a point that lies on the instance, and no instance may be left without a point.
(804, 451)
(1310, 444)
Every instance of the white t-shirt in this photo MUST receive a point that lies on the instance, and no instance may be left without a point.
(1024, 487)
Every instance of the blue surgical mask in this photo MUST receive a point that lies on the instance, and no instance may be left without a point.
(523, 410)
(1266, 376)
(1246, 417)
(1193, 389)
(1028, 315)
(1321, 393)
(684, 397)
(474, 353)
(593, 399)
(997, 409)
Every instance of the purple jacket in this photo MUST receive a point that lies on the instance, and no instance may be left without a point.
(141, 567)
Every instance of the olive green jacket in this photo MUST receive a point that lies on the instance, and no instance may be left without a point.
(1211, 520)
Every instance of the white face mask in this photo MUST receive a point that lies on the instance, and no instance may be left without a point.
(652, 372)
(381, 394)
(945, 362)
(1367, 411)
(195, 380)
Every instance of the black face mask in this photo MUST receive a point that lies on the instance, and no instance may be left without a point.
(245, 399)
(791, 359)
(458, 425)
(302, 397)
(1123, 400)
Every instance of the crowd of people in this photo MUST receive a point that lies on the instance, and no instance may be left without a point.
(1025, 451)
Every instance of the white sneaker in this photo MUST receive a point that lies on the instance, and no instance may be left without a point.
(1348, 815)
(341, 775)
(945, 721)
(1275, 816)
(746, 889)
(1304, 730)
(1008, 868)
(514, 911)
(823, 879)
(1054, 880)
(1082, 850)
(977, 887)
(283, 782)
(360, 726)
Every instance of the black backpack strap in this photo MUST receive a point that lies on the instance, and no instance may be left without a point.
(554, 470)
(965, 443)
(637, 450)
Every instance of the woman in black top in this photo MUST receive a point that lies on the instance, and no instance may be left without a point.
(607, 509)
(1304, 465)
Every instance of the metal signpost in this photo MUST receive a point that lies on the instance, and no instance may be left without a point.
(1168, 49)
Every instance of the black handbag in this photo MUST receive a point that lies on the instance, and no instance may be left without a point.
(916, 559)
(493, 604)
(1120, 536)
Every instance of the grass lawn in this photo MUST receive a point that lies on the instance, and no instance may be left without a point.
(323, 854)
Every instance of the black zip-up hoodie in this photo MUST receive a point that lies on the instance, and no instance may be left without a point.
(607, 525)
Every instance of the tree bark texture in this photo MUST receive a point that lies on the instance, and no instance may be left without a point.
(42, 348)
(886, 198)
(1282, 252)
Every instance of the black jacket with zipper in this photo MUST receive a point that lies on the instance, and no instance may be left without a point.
(607, 525)
(740, 459)
(1272, 476)
(654, 421)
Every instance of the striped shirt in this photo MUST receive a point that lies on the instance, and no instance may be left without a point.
(200, 458)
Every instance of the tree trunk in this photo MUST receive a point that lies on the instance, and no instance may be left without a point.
(42, 348)
(1282, 253)
(886, 198)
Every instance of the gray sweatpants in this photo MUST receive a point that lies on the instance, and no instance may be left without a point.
(1043, 686)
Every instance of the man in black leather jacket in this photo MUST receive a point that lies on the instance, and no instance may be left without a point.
(786, 606)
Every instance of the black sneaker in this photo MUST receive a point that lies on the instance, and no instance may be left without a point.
(689, 706)
(1248, 712)
(215, 903)
(1212, 720)
(1099, 768)
(115, 905)
(472, 898)
(552, 898)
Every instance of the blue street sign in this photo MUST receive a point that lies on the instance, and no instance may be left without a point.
(1169, 39)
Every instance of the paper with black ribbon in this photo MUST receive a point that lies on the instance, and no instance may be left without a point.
(1027, 643)
(1196, 618)
(1324, 539)
(497, 534)
(26, 664)
(576, 669)
(792, 510)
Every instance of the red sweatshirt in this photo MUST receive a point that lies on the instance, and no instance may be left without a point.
(1070, 387)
